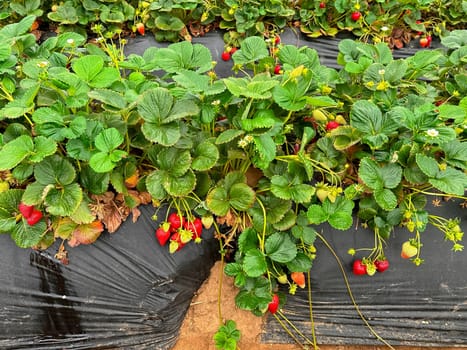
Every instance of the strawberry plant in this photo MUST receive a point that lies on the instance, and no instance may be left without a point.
(88, 135)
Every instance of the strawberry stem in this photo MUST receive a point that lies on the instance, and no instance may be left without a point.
(349, 291)
(310, 303)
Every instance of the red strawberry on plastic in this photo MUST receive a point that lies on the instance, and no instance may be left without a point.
(358, 267)
(34, 218)
(274, 304)
(195, 226)
(25, 210)
(382, 265)
(176, 221)
(163, 235)
(355, 16)
(298, 278)
(225, 56)
(140, 28)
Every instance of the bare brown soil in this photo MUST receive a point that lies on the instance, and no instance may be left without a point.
(202, 321)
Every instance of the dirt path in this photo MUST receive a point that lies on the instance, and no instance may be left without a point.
(202, 321)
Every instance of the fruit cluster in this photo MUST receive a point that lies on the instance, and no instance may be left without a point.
(30, 213)
(178, 231)
(369, 267)
(298, 279)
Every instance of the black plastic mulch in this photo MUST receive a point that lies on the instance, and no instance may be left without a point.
(406, 305)
(124, 291)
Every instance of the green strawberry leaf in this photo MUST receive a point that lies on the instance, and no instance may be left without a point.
(255, 295)
(160, 113)
(55, 170)
(287, 222)
(280, 248)
(184, 56)
(254, 263)
(276, 210)
(63, 201)
(174, 161)
(108, 97)
(286, 188)
(366, 117)
(154, 184)
(455, 153)
(292, 95)
(305, 233)
(337, 213)
(450, 181)
(251, 49)
(179, 186)
(228, 135)
(15, 151)
(248, 240)
(341, 220)
(26, 236)
(108, 140)
(205, 157)
(259, 87)
(9, 201)
(301, 263)
(217, 201)
(429, 166)
(241, 196)
(316, 214)
(385, 198)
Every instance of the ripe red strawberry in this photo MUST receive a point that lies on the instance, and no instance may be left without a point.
(274, 304)
(355, 16)
(298, 278)
(278, 69)
(140, 28)
(277, 40)
(195, 226)
(358, 267)
(176, 221)
(408, 250)
(382, 265)
(322, 5)
(25, 210)
(225, 56)
(34, 218)
(424, 42)
(331, 125)
(162, 235)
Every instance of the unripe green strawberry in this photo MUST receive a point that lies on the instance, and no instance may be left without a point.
(370, 269)
(4, 186)
(282, 279)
